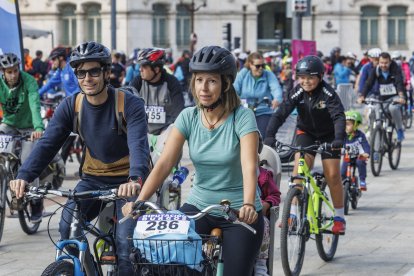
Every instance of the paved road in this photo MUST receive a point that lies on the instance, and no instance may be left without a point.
(378, 241)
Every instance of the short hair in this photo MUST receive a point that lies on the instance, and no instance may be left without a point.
(385, 55)
(39, 53)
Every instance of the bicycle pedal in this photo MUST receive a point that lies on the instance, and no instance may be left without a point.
(108, 257)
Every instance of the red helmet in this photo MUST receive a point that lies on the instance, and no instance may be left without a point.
(151, 56)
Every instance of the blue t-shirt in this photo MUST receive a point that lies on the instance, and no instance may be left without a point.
(216, 157)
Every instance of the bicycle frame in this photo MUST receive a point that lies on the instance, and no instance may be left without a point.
(314, 193)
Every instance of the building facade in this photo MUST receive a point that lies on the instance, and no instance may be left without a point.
(353, 25)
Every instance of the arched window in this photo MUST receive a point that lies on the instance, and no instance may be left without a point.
(93, 22)
(369, 26)
(397, 22)
(159, 25)
(183, 26)
(68, 20)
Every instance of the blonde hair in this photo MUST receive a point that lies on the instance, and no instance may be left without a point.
(229, 97)
(251, 57)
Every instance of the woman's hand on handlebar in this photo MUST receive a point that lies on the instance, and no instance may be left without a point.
(247, 214)
(275, 104)
(36, 135)
(18, 186)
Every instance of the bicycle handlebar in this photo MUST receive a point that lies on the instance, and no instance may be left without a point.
(318, 148)
(230, 213)
(108, 195)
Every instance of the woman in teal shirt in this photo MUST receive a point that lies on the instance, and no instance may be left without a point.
(223, 140)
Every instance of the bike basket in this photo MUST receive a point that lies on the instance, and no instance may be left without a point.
(188, 256)
(6, 144)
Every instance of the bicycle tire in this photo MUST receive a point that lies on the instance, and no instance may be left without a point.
(409, 122)
(356, 193)
(325, 216)
(297, 231)
(24, 218)
(377, 140)
(59, 268)
(394, 151)
(346, 196)
(168, 199)
(3, 200)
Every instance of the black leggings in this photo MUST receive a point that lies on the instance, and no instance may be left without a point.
(240, 246)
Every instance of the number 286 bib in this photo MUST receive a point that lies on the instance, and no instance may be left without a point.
(154, 224)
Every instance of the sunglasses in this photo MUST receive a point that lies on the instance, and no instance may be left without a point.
(258, 66)
(93, 72)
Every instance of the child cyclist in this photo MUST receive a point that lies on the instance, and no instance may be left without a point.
(320, 118)
(357, 138)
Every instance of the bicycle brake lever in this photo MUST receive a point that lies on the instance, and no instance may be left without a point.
(246, 226)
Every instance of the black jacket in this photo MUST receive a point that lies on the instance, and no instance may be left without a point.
(394, 77)
(320, 114)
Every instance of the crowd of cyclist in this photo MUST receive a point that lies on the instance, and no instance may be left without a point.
(213, 80)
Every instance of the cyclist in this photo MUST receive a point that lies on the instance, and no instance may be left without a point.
(357, 138)
(110, 158)
(64, 73)
(390, 82)
(320, 118)
(223, 143)
(161, 91)
(21, 112)
(253, 83)
(373, 55)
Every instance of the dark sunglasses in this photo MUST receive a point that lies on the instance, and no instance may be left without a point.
(93, 72)
(258, 66)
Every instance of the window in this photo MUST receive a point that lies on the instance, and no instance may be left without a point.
(183, 26)
(93, 23)
(397, 22)
(159, 26)
(68, 35)
(369, 26)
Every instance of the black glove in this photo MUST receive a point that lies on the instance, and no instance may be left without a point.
(337, 144)
(270, 141)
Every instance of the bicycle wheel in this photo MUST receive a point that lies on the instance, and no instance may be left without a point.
(59, 268)
(293, 233)
(326, 242)
(377, 141)
(25, 222)
(394, 149)
(3, 199)
(346, 196)
(355, 194)
(170, 198)
(409, 121)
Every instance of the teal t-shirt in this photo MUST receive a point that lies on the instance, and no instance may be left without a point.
(216, 157)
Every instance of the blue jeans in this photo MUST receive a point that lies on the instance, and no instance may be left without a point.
(362, 169)
(90, 209)
(262, 122)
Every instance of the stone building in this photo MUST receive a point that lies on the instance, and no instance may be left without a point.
(353, 25)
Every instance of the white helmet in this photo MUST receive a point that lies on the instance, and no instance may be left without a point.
(374, 52)
(396, 55)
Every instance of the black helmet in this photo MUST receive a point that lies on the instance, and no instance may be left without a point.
(9, 60)
(90, 51)
(310, 66)
(214, 59)
(60, 52)
(151, 56)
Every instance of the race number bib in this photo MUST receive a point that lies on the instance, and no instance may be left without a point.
(6, 143)
(155, 114)
(387, 89)
(155, 224)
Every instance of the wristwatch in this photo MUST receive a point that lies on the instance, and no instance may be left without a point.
(135, 179)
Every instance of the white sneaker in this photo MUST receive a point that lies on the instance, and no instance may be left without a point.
(260, 268)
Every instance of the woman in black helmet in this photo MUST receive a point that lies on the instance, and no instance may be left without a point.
(320, 118)
(223, 141)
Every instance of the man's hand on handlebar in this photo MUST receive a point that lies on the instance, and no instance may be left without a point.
(360, 99)
(18, 186)
(129, 189)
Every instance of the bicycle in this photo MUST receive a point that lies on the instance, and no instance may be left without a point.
(314, 214)
(352, 192)
(10, 149)
(407, 113)
(383, 138)
(254, 103)
(104, 246)
(168, 258)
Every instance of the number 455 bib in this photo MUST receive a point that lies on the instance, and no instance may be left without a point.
(154, 224)
(387, 89)
(155, 114)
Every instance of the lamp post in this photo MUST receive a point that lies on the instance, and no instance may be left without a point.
(192, 9)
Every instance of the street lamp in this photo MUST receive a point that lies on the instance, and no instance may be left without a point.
(192, 9)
